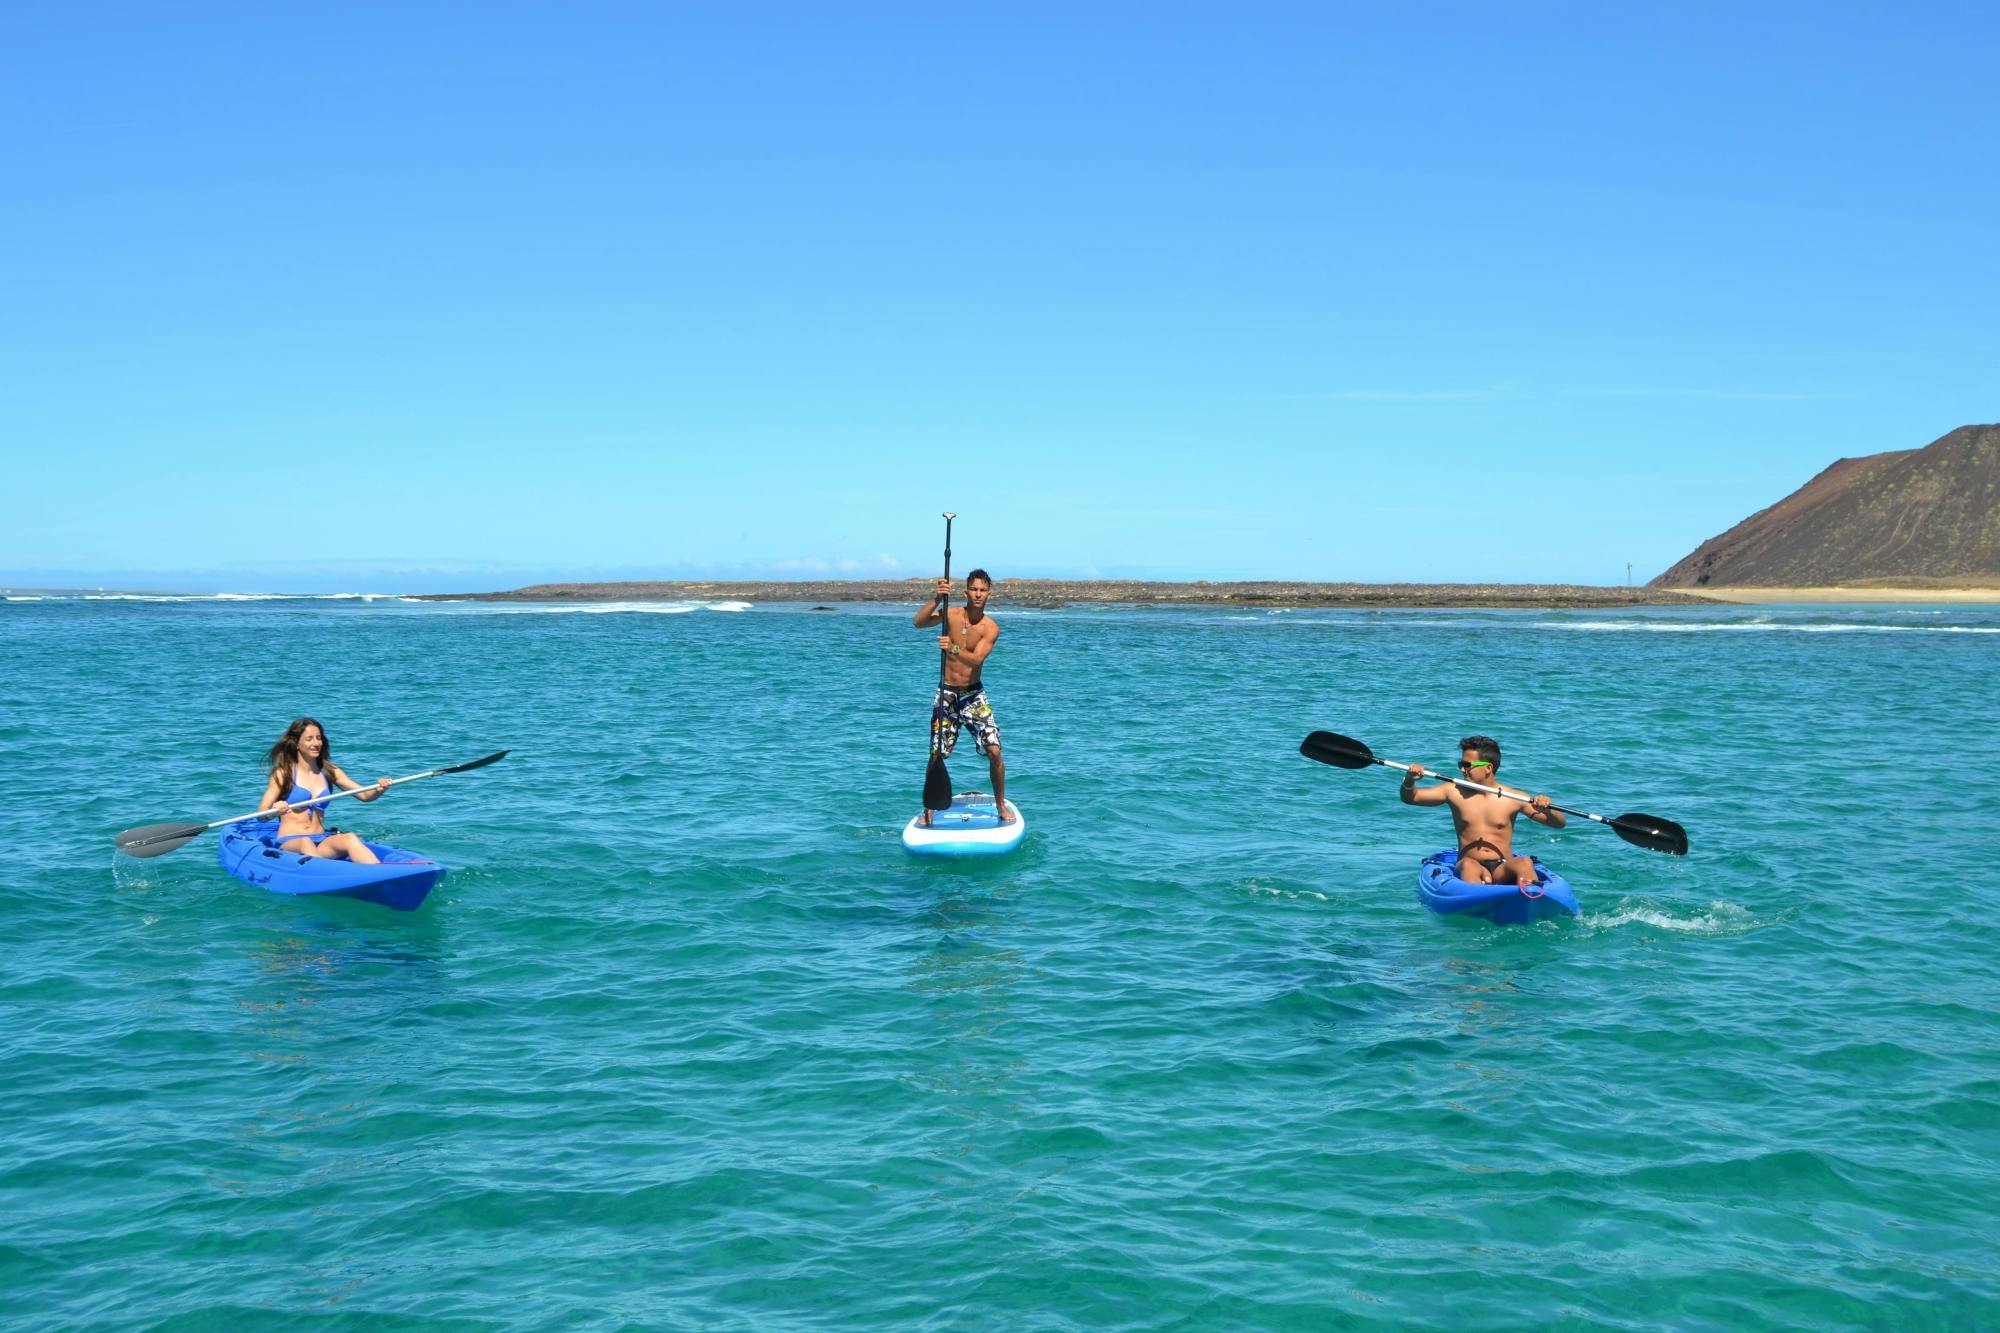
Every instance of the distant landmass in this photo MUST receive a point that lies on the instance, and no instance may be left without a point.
(1912, 518)
(1070, 592)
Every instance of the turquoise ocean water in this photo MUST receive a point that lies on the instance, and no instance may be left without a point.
(685, 1040)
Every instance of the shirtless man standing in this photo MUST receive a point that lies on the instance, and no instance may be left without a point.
(1485, 823)
(968, 638)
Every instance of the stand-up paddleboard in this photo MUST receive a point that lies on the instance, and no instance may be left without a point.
(970, 826)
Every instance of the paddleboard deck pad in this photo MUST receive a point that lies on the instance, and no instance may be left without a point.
(969, 827)
(1444, 892)
(402, 880)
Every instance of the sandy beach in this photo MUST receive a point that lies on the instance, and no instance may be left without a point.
(1854, 594)
(1065, 592)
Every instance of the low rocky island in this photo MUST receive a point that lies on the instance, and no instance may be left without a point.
(1083, 592)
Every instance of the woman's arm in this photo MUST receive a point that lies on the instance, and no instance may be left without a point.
(273, 798)
(345, 783)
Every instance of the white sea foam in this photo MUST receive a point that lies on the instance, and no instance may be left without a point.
(1270, 892)
(589, 608)
(229, 597)
(1751, 627)
(460, 606)
(187, 597)
(1658, 627)
(1719, 918)
(1898, 629)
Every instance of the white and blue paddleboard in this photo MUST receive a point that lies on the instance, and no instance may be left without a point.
(969, 827)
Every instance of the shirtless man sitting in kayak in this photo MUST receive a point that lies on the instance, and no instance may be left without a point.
(967, 641)
(1485, 822)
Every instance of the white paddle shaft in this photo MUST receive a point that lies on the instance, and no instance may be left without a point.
(330, 796)
(1494, 791)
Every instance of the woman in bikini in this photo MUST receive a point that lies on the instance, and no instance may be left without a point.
(303, 779)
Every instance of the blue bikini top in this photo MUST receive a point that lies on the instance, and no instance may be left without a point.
(318, 799)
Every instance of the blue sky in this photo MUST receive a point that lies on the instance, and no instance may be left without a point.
(426, 297)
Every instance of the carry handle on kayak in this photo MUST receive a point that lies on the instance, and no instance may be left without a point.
(1649, 831)
(159, 839)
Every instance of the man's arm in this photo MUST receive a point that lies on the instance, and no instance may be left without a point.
(1410, 794)
(931, 612)
(978, 652)
(1542, 812)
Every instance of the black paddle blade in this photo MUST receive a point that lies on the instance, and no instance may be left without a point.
(1652, 833)
(1332, 748)
(157, 839)
(493, 758)
(937, 785)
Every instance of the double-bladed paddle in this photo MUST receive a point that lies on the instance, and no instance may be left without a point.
(159, 839)
(1648, 831)
(937, 782)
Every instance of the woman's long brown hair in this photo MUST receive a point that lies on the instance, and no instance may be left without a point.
(284, 756)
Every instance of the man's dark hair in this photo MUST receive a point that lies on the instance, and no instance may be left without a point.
(1489, 749)
(980, 574)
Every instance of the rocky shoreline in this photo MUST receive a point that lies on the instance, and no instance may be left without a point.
(1073, 592)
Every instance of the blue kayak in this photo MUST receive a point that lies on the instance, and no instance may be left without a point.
(402, 880)
(1444, 892)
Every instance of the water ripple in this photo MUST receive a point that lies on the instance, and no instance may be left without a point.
(684, 1041)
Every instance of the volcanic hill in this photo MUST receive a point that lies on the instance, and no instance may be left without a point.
(1926, 517)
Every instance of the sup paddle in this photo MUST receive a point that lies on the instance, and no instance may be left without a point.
(937, 782)
(159, 839)
(1648, 831)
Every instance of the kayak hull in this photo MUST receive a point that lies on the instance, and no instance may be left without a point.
(402, 881)
(1441, 890)
(969, 827)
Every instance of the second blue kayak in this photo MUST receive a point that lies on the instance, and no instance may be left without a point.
(402, 881)
(1444, 892)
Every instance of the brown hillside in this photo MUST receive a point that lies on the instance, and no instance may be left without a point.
(1921, 516)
